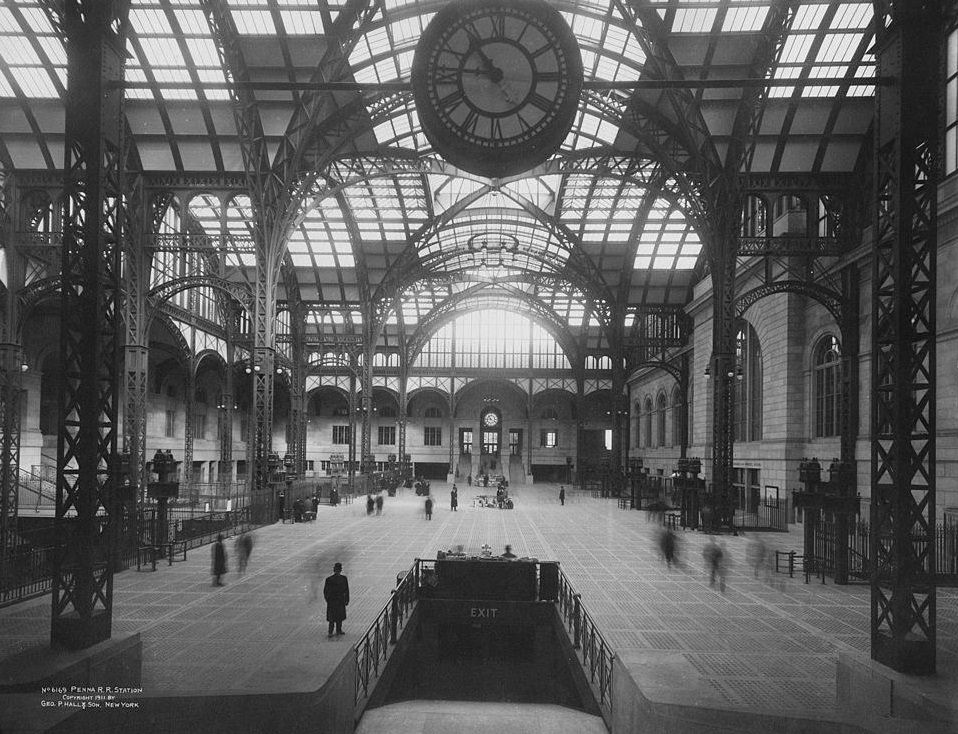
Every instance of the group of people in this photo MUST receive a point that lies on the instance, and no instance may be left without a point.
(714, 554)
(300, 513)
(243, 548)
(374, 503)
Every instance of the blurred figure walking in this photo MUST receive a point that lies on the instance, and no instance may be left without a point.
(429, 508)
(668, 546)
(244, 547)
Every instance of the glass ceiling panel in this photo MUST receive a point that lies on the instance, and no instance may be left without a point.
(37, 74)
(494, 238)
(447, 190)
(600, 209)
(322, 239)
(540, 190)
(667, 241)
(827, 41)
(239, 231)
(388, 209)
(173, 45)
(589, 130)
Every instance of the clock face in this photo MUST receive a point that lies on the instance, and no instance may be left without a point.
(497, 84)
(491, 420)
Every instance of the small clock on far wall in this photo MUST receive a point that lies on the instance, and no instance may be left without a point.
(496, 84)
(491, 420)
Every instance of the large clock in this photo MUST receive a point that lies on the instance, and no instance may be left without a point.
(497, 84)
(491, 420)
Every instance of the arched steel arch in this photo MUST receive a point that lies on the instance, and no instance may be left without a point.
(456, 306)
(163, 292)
(209, 355)
(658, 364)
(475, 382)
(827, 297)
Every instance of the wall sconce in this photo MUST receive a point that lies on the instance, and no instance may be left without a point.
(24, 367)
(708, 372)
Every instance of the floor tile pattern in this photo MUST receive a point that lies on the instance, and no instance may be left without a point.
(768, 642)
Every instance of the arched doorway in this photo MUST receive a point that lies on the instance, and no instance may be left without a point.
(490, 462)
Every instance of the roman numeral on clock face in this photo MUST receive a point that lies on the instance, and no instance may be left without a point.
(451, 100)
(469, 124)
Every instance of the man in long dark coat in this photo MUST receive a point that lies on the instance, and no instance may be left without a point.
(336, 594)
(219, 560)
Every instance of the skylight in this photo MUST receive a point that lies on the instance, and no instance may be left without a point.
(667, 241)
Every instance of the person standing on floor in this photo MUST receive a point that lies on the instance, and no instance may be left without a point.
(336, 594)
(219, 560)
(429, 508)
(454, 499)
(562, 495)
(379, 503)
(282, 507)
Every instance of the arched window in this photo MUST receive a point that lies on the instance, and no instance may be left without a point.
(661, 407)
(387, 410)
(432, 412)
(678, 424)
(748, 384)
(648, 422)
(827, 375)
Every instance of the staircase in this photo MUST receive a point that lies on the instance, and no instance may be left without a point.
(35, 491)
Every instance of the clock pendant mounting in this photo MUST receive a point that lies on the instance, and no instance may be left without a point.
(496, 84)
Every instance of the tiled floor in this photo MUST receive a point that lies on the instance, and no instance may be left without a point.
(764, 644)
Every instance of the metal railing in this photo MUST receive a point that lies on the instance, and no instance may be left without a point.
(27, 570)
(823, 560)
(375, 647)
(592, 651)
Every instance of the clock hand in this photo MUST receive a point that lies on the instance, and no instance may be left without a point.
(495, 73)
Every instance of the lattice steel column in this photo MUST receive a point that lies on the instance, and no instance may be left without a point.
(351, 455)
(453, 464)
(136, 348)
(225, 414)
(401, 416)
(10, 362)
(261, 420)
(366, 376)
(296, 421)
(529, 409)
(189, 424)
(722, 250)
(618, 390)
(579, 408)
(82, 597)
(684, 383)
(903, 592)
(10, 407)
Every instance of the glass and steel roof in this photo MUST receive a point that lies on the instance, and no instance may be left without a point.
(380, 214)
